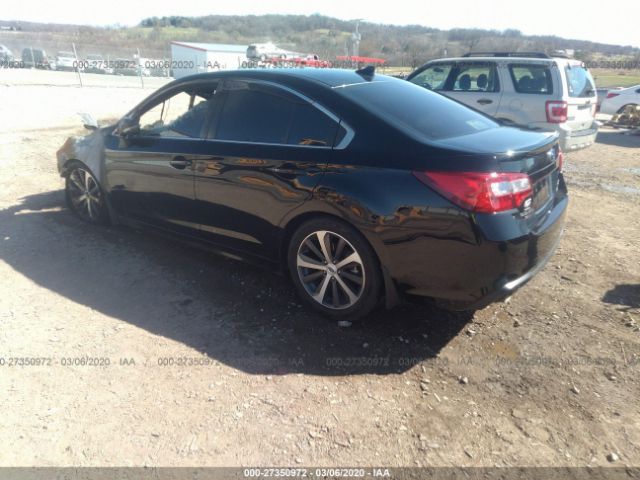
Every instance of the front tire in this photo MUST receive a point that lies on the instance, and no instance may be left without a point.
(334, 269)
(84, 195)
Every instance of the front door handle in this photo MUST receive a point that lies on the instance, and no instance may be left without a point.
(288, 168)
(179, 162)
(485, 101)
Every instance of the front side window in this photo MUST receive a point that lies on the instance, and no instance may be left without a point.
(182, 115)
(579, 81)
(531, 78)
(434, 77)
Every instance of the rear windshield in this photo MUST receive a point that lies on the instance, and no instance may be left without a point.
(580, 82)
(409, 106)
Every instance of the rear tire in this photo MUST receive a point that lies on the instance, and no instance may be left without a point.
(627, 105)
(84, 195)
(334, 269)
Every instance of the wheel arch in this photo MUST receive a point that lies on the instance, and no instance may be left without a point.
(622, 108)
(65, 170)
(66, 167)
(294, 221)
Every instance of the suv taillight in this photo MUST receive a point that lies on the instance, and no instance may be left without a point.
(611, 95)
(557, 111)
(480, 192)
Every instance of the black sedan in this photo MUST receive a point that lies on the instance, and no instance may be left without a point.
(364, 188)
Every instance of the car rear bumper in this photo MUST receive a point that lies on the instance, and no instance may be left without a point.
(484, 264)
(505, 286)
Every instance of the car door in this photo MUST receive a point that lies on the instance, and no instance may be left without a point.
(149, 166)
(269, 148)
(529, 87)
(475, 83)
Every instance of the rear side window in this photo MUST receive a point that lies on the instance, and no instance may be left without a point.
(416, 109)
(579, 81)
(253, 116)
(531, 78)
(474, 77)
(311, 127)
(263, 117)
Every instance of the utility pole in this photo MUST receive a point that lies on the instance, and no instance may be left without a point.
(75, 54)
(355, 38)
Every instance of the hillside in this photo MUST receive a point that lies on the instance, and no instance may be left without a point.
(405, 46)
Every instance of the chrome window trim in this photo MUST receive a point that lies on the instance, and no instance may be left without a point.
(344, 143)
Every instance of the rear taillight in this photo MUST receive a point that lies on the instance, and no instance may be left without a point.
(560, 160)
(611, 95)
(556, 111)
(480, 192)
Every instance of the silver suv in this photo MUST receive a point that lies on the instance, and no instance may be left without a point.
(529, 89)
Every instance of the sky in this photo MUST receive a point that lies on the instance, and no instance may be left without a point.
(578, 19)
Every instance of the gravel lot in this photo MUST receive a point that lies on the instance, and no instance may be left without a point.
(549, 378)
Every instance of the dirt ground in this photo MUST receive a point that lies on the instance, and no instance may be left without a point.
(91, 318)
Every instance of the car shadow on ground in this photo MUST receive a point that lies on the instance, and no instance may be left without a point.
(244, 316)
(618, 139)
(626, 295)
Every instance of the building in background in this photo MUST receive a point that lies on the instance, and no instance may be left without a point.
(189, 58)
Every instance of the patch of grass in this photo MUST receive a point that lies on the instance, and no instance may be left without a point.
(615, 78)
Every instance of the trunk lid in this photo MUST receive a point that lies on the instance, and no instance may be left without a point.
(542, 165)
(497, 141)
(517, 150)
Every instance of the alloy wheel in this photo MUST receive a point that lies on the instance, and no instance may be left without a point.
(85, 195)
(330, 269)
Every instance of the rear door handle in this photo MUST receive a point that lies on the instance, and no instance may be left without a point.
(180, 163)
(485, 101)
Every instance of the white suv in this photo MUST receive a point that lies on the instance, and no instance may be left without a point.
(529, 89)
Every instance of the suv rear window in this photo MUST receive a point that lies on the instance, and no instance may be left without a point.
(531, 78)
(579, 81)
(414, 108)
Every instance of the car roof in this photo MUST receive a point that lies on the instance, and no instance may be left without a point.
(329, 76)
(510, 58)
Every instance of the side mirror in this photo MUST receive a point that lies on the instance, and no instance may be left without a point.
(88, 121)
(127, 127)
